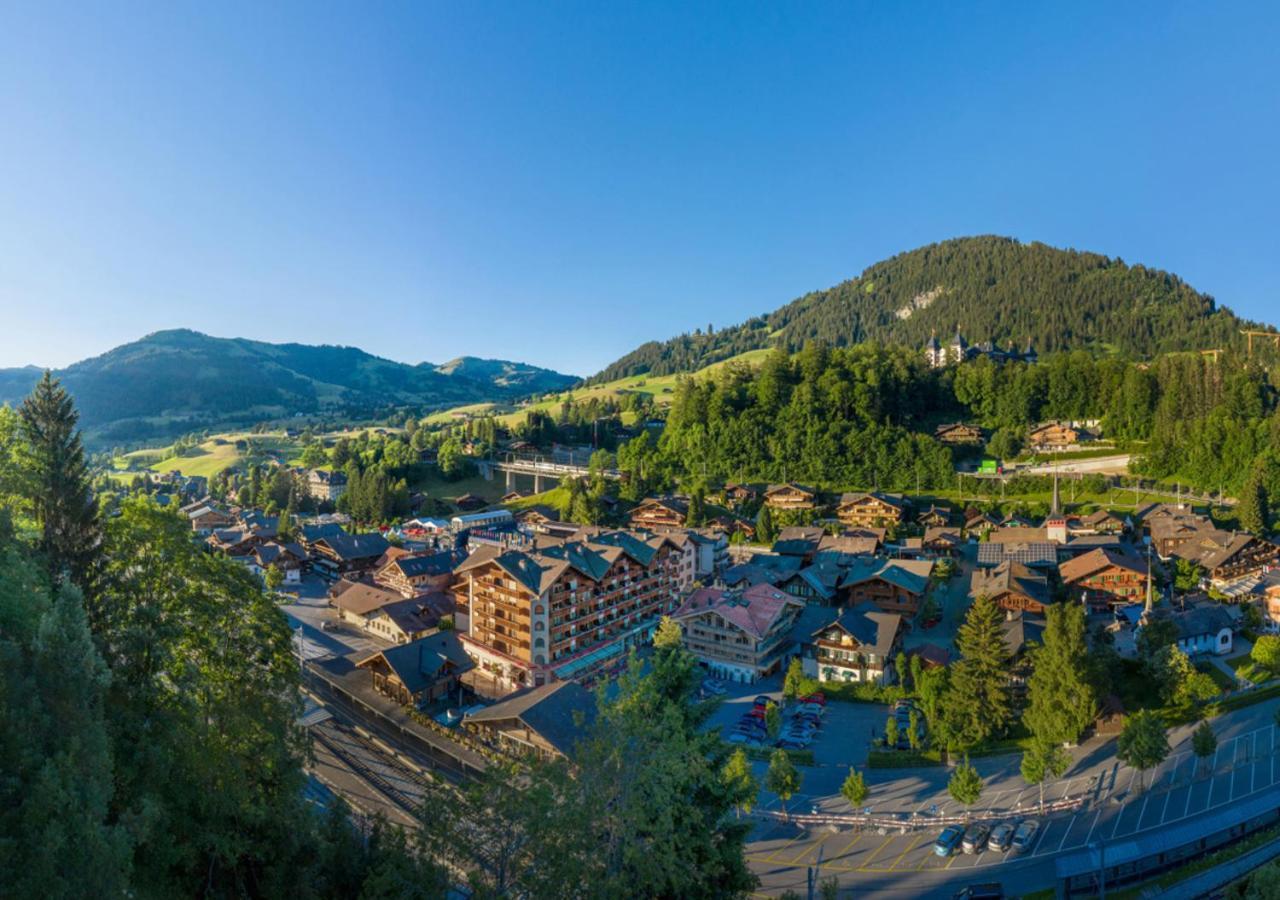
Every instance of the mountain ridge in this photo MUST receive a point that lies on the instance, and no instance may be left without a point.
(179, 380)
(993, 288)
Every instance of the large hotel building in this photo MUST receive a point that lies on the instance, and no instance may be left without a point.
(567, 610)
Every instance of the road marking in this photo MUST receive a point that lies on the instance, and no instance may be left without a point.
(773, 857)
(849, 846)
(1142, 812)
(871, 858)
(1064, 834)
(1089, 836)
(910, 847)
(1066, 791)
(1164, 810)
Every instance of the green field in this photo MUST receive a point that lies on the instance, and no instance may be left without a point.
(662, 387)
(209, 457)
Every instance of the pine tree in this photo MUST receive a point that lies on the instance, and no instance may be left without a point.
(1253, 511)
(60, 490)
(978, 702)
(1060, 700)
(764, 525)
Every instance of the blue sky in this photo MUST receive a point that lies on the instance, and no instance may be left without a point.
(557, 182)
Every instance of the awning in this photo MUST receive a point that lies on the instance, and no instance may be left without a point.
(587, 660)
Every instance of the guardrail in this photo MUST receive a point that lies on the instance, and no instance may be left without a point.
(901, 823)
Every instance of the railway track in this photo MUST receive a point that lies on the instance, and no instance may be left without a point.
(402, 788)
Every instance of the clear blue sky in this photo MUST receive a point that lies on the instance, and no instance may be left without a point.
(557, 182)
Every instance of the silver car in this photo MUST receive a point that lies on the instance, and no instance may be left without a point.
(1024, 838)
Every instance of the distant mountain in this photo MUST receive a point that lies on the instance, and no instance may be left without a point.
(993, 288)
(176, 381)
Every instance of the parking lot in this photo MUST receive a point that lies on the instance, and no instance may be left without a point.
(1115, 807)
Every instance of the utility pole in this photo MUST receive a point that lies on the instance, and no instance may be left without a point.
(1150, 575)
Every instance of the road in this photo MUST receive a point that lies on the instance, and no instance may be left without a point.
(903, 864)
(1107, 465)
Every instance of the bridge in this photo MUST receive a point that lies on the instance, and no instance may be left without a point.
(538, 468)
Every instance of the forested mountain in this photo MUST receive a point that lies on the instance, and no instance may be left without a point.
(994, 288)
(178, 381)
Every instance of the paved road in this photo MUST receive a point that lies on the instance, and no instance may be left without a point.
(897, 865)
(1118, 464)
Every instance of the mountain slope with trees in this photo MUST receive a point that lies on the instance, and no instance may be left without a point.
(994, 288)
(179, 381)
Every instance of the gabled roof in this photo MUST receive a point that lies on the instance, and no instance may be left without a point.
(1096, 560)
(1019, 631)
(1011, 577)
(438, 563)
(873, 629)
(419, 663)
(361, 598)
(789, 486)
(559, 712)
(822, 578)
(897, 501)
(1201, 620)
(1040, 554)
(754, 610)
(851, 544)
(313, 533)
(911, 575)
(355, 546)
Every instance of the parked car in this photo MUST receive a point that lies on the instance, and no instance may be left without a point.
(816, 697)
(947, 842)
(788, 743)
(763, 700)
(711, 686)
(739, 737)
(975, 837)
(1001, 837)
(1024, 838)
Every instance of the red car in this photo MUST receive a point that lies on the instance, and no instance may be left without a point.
(817, 697)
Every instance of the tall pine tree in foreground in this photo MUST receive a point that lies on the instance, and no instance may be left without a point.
(59, 490)
(978, 702)
(1061, 701)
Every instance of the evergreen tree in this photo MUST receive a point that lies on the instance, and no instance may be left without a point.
(59, 488)
(978, 702)
(1253, 510)
(794, 681)
(765, 533)
(1061, 703)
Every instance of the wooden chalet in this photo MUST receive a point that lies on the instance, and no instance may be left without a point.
(738, 495)
(1053, 436)
(894, 585)
(941, 541)
(934, 517)
(1104, 577)
(871, 509)
(545, 721)
(413, 575)
(420, 671)
(1013, 586)
(858, 646)
(1101, 522)
(790, 496)
(341, 554)
(958, 433)
(660, 514)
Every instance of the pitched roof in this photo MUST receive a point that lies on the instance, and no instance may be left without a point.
(438, 563)
(1019, 631)
(1040, 554)
(851, 544)
(870, 627)
(754, 610)
(1011, 577)
(313, 533)
(559, 712)
(1097, 560)
(912, 575)
(1202, 620)
(419, 663)
(355, 546)
(361, 598)
(897, 501)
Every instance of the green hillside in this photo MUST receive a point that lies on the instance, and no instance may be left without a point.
(174, 382)
(994, 288)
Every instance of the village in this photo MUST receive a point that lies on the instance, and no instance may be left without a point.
(478, 636)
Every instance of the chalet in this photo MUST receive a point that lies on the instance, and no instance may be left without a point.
(206, 519)
(289, 558)
(958, 433)
(401, 621)
(1226, 556)
(421, 671)
(1101, 522)
(1103, 578)
(660, 514)
(1013, 586)
(859, 646)
(894, 585)
(818, 583)
(931, 655)
(800, 541)
(934, 517)
(357, 601)
(732, 525)
(978, 522)
(537, 516)
(940, 541)
(1053, 436)
(853, 543)
(740, 636)
(738, 495)
(414, 575)
(545, 721)
(342, 554)
(308, 535)
(468, 502)
(871, 510)
(790, 496)
(513, 496)
(326, 486)
(236, 542)
(261, 524)
(763, 568)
